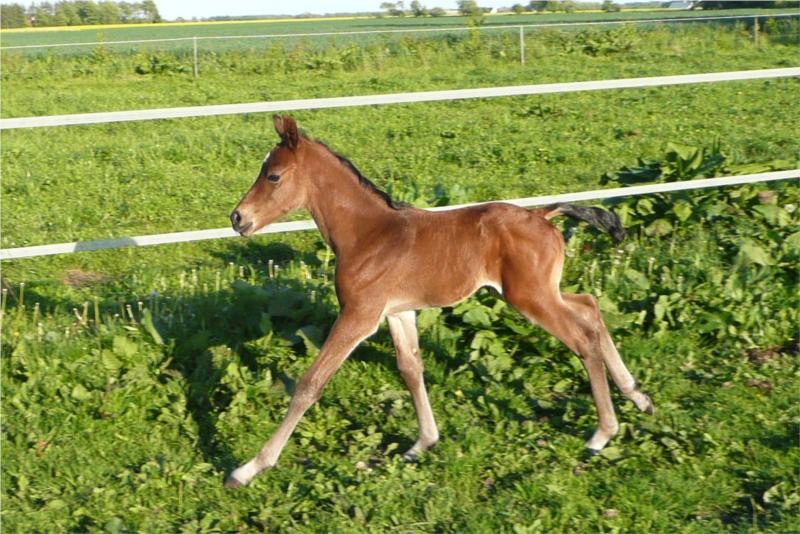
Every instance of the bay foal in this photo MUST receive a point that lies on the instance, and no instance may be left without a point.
(393, 259)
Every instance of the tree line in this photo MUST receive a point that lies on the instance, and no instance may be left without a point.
(471, 8)
(77, 13)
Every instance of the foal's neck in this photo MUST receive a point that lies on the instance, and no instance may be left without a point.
(344, 209)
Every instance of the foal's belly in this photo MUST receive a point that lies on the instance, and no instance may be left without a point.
(440, 284)
(436, 299)
(451, 255)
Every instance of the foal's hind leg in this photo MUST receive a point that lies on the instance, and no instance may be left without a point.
(404, 334)
(583, 333)
(616, 367)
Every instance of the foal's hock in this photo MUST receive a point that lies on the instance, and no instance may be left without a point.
(394, 259)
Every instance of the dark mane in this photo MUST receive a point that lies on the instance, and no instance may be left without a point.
(364, 181)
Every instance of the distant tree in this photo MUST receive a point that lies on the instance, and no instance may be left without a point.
(108, 13)
(12, 16)
(127, 12)
(41, 14)
(518, 8)
(68, 13)
(151, 11)
(733, 5)
(469, 8)
(568, 6)
(437, 12)
(395, 9)
(78, 12)
(552, 6)
(609, 6)
(418, 10)
(87, 12)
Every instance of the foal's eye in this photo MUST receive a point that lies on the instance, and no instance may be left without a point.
(273, 177)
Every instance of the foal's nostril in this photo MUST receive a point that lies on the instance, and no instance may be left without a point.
(236, 218)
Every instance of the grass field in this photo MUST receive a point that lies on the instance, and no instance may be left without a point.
(277, 27)
(134, 380)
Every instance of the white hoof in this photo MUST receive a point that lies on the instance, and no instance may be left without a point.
(419, 447)
(600, 439)
(241, 476)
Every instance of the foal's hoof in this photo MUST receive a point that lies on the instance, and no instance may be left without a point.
(410, 457)
(592, 452)
(649, 407)
(233, 482)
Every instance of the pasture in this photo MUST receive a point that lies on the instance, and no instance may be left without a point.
(290, 26)
(134, 380)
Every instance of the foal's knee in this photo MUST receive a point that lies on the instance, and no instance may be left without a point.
(589, 308)
(306, 394)
(409, 363)
(410, 367)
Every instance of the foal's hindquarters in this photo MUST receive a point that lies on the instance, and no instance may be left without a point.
(437, 260)
(574, 319)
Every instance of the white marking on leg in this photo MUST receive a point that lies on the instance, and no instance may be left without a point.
(243, 475)
(622, 376)
(403, 328)
(599, 440)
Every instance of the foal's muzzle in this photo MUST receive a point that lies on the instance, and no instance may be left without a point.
(236, 221)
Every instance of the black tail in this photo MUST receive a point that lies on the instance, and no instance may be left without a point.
(598, 217)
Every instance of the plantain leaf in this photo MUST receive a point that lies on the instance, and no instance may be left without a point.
(753, 253)
(658, 228)
(147, 321)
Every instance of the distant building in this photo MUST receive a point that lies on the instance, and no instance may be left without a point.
(681, 5)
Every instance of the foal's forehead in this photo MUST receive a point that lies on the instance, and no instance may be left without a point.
(279, 156)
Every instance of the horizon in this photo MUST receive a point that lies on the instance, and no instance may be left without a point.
(205, 9)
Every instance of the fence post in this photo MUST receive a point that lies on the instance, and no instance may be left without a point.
(755, 31)
(522, 45)
(196, 66)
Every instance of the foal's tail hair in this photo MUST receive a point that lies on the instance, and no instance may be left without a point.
(606, 221)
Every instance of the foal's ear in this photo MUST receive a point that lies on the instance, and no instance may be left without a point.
(287, 130)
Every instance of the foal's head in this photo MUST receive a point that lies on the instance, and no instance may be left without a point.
(280, 186)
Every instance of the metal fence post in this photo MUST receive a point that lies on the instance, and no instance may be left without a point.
(196, 66)
(755, 31)
(522, 45)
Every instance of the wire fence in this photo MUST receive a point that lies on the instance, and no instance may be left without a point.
(517, 27)
(194, 46)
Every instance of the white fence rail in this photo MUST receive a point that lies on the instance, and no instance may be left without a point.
(406, 30)
(95, 118)
(395, 98)
(295, 226)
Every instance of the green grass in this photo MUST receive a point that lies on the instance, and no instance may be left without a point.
(134, 380)
(128, 418)
(278, 27)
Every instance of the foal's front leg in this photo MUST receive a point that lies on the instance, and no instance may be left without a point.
(403, 328)
(352, 327)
